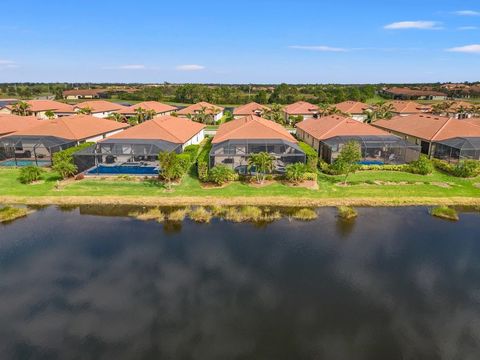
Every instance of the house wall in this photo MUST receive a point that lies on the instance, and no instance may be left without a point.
(102, 115)
(102, 136)
(218, 116)
(359, 117)
(197, 139)
(5, 110)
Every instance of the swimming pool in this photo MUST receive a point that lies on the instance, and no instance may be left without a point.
(21, 163)
(124, 170)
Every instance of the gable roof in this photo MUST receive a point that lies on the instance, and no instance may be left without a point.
(192, 109)
(45, 105)
(12, 123)
(335, 125)
(167, 128)
(300, 108)
(408, 107)
(100, 106)
(251, 127)
(250, 109)
(74, 127)
(429, 127)
(156, 106)
(474, 121)
(458, 104)
(352, 107)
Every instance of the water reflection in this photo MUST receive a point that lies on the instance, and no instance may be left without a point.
(395, 284)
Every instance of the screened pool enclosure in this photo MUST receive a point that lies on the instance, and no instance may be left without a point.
(388, 149)
(124, 152)
(34, 150)
(235, 153)
(457, 149)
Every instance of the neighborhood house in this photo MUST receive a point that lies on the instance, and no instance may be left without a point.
(99, 108)
(204, 108)
(300, 109)
(155, 107)
(252, 108)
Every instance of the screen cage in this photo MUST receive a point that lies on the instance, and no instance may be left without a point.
(457, 149)
(126, 151)
(235, 153)
(388, 149)
(35, 149)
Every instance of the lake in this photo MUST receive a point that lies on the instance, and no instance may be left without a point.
(90, 283)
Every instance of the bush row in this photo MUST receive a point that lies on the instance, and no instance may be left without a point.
(202, 161)
(311, 156)
(464, 169)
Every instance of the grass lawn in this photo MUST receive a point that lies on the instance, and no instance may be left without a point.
(389, 185)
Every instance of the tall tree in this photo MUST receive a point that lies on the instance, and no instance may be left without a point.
(21, 108)
(347, 160)
(263, 163)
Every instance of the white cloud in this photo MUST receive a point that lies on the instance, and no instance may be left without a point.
(422, 25)
(469, 49)
(190, 67)
(467, 13)
(318, 48)
(8, 64)
(126, 67)
(468, 28)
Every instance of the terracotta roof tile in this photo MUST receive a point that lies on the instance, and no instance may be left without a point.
(74, 127)
(44, 105)
(352, 107)
(334, 125)
(301, 108)
(100, 106)
(168, 128)
(156, 106)
(408, 107)
(252, 127)
(429, 127)
(252, 108)
(12, 123)
(192, 109)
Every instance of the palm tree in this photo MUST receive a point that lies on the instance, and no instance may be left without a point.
(263, 163)
(49, 114)
(475, 110)
(21, 108)
(116, 117)
(274, 113)
(140, 114)
(462, 112)
(150, 114)
(85, 111)
(323, 110)
(378, 112)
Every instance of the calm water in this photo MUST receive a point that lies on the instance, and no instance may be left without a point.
(395, 284)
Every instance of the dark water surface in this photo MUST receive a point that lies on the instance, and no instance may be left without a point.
(395, 284)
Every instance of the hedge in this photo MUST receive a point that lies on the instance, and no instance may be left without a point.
(202, 161)
(311, 154)
(67, 154)
(464, 169)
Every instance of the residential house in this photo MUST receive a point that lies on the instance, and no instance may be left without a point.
(215, 111)
(330, 133)
(430, 131)
(39, 108)
(13, 123)
(403, 93)
(156, 107)
(355, 109)
(302, 109)
(251, 108)
(405, 108)
(100, 108)
(236, 140)
(78, 94)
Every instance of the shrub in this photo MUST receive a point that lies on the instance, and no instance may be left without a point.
(467, 168)
(221, 174)
(310, 176)
(184, 161)
(311, 156)
(245, 213)
(65, 168)
(29, 174)
(305, 214)
(386, 167)
(295, 172)
(203, 160)
(192, 151)
(150, 214)
(422, 166)
(200, 214)
(177, 215)
(347, 213)
(445, 212)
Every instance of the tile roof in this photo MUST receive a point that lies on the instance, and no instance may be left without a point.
(74, 127)
(429, 127)
(249, 109)
(352, 107)
(251, 127)
(474, 121)
(300, 108)
(198, 107)
(168, 128)
(457, 104)
(408, 107)
(335, 125)
(100, 106)
(12, 123)
(44, 105)
(156, 106)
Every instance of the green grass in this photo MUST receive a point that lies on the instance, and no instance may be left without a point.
(347, 213)
(445, 212)
(361, 185)
(9, 213)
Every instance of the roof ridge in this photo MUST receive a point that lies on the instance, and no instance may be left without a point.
(62, 121)
(337, 125)
(441, 128)
(159, 124)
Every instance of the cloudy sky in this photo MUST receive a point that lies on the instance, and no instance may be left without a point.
(259, 41)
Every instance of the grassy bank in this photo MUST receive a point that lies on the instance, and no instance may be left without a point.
(380, 188)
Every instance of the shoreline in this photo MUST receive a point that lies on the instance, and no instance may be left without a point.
(238, 201)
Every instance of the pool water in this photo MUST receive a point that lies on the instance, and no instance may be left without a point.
(123, 170)
(22, 163)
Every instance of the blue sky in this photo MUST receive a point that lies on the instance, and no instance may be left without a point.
(262, 41)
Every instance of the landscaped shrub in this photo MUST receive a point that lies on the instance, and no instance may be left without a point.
(310, 176)
(386, 167)
(63, 163)
(295, 172)
(221, 174)
(464, 169)
(422, 166)
(29, 174)
(184, 161)
(192, 151)
(64, 168)
(311, 154)
(202, 161)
